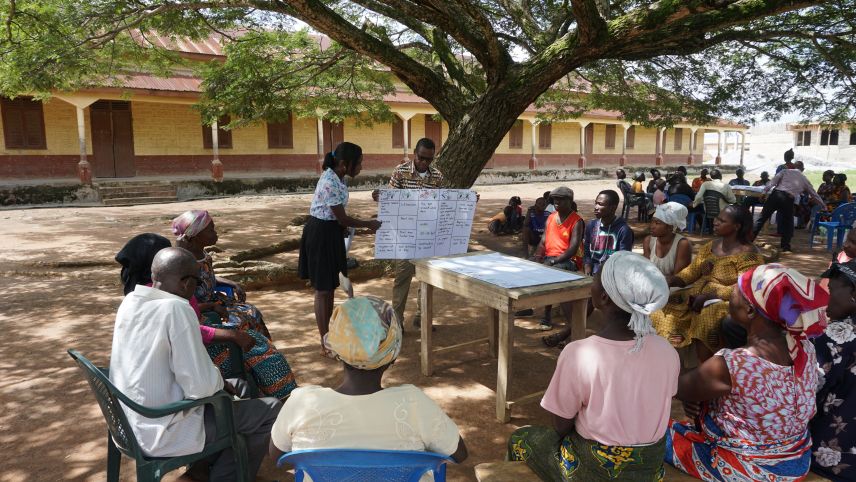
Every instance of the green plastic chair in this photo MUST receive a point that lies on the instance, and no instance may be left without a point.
(121, 439)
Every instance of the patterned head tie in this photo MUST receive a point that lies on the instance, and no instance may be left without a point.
(190, 223)
(365, 333)
(791, 300)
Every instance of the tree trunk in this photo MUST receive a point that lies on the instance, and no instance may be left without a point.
(473, 140)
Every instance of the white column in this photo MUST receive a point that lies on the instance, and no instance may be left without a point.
(719, 138)
(215, 141)
(406, 132)
(742, 146)
(623, 159)
(534, 124)
(320, 132)
(81, 132)
(582, 161)
(691, 157)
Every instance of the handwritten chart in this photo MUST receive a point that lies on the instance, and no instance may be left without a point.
(420, 223)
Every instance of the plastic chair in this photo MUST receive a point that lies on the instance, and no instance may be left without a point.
(349, 465)
(633, 199)
(711, 208)
(121, 439)
(840, 221)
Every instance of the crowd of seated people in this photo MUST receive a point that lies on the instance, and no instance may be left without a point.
(769, 398)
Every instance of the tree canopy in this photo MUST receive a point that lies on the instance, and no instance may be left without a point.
(480, 63)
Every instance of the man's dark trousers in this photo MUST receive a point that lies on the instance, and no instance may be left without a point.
(783, 203)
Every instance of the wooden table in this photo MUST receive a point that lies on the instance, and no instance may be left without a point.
(502, 303)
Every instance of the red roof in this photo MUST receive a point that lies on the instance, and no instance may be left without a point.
(172, 84)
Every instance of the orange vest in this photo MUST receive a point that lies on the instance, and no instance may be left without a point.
(557, 237)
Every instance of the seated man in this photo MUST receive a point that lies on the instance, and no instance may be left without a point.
(360, 413)
(533, 226)
(158, 358)
(739, 181)
(509, 220)
(715, 184)
(611, 394)
(701, 179)
(561, 246)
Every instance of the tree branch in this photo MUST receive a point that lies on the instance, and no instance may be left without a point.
(590, 25)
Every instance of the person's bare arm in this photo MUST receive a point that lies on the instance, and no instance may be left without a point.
(646, 247)
(461, 453)
(562, 426)
(683, 256)
(274, 452)
(709, 381)
(349, 222)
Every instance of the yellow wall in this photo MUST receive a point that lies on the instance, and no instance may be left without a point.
(60, 132)
(526, 147)
(645, 141)
(176, 129)
(565, 139)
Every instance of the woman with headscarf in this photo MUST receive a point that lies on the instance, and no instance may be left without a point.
(665, 247)
(611, 393)
(136, 260)
(195, 231)
(696, 312)
(832, 436)
(757, 400)
(360, 413)
(322, 252)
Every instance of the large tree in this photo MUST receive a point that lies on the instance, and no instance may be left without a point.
(480, 63)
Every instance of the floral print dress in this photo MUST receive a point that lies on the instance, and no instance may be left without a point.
(833, 429)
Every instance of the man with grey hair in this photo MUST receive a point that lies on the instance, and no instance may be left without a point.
(158, 358)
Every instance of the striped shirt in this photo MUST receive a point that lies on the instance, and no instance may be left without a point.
(405, 177)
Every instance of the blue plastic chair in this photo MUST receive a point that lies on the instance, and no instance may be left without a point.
(840, 221)
(350, 465)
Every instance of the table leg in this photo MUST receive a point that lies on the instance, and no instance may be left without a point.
(427, 298)
(503, 365)
(492, 325)
(579, 313)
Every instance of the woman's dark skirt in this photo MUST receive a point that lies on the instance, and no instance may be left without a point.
(322, 254)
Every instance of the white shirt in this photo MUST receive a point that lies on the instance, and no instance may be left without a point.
(158, 358)
(397, 418)
(719, 186)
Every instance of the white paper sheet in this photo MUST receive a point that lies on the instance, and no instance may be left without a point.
(421, 223)
(505, 271)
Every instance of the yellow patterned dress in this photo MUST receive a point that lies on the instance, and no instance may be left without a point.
(708, 273)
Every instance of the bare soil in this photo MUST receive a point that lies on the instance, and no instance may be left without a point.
(61, 290)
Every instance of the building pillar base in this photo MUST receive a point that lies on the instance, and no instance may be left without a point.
(582, 162)
(622, 161)
(84, 172)
(718, 160)
(659, 160)
(533, 163)
(690, 160)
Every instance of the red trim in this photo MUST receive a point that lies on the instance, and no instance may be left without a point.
(38, 167)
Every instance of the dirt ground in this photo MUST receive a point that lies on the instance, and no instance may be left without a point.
(61, 290)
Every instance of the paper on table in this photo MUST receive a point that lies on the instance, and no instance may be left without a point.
(504, 271)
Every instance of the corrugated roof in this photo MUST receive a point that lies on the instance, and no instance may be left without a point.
(212, 45)
(150, 82)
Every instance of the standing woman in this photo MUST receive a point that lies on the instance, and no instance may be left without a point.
(322, 247)
(665, 247)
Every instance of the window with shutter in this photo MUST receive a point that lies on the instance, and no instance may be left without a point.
(224, 137)
(397, 133)
(679, 138)
(803, 138)
(23, 123)
(631, 137)
(610, 136)
(515, 135)
(829, 137)
(853, 138)
(545, 136)
(281, 134)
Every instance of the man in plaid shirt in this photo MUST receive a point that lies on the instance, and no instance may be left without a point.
(415, 174)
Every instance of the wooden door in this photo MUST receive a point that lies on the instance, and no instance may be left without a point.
(112, 139)
(334, 134)
(434, 131)
(589, 139)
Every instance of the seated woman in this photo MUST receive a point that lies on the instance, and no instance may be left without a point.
(839, 194)
(833, 439)
(665, 247)
(360, 413)
(509, 220)
(756, 401)
(688, 316)
(194, 231)
(611, 393)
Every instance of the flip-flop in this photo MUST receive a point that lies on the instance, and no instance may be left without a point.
(327, 353)
(552, 341)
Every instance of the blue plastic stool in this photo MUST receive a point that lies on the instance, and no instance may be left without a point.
(333, 465)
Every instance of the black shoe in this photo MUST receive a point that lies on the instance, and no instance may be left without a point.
(526, 312)
(352, 263)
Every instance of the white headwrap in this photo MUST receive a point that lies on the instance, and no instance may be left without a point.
(673, 214)
(636, 286)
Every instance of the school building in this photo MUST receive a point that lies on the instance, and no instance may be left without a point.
(147, 126)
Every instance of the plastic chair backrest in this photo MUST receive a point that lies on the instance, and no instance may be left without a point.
(105, 392)
(353, 465)
(624, 187)
(711, 203)
(844, 214)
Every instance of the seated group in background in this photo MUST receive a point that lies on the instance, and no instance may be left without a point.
(508, 221)
(652, 184)
(366, 335)
(611, 393)
(678, 190)
(694, 314)
(158, 358)
(659, 195)
(604, 235)
(701, 179)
